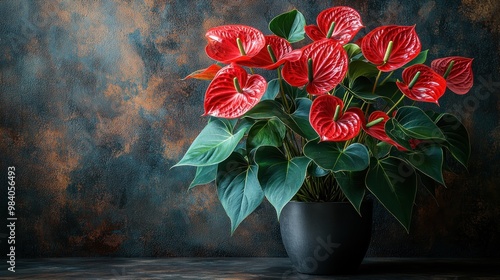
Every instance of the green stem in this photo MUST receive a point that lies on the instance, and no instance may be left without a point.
(386, 78)
(396, 104)
(240, 46)
(376, 81)
(282, 91)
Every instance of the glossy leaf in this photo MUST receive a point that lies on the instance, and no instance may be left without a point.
(281, 51)
(273, 88)
(360, 68)
(204, 175)
(289, 25)
(429, 86)
(377, 131)
(224, 100)
(460, 79)
(223, 46)
(329, 67)
(420, 59)
(457, 137)
(265, 109)
(213, 145)
(266, 133)
(352, 50)
(280, 177)
(345, 20)
(330, 156)
(412, 123)
(428, 159)
(238, 188)
(347, 125)
(406, 46)
(353, 186)
(205, 74)
(394, 183)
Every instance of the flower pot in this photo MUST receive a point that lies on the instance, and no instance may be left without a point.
(326, 237)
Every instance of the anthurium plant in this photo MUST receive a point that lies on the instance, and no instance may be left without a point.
(332, 120)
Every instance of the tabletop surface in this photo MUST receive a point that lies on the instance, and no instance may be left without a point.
(244, 268)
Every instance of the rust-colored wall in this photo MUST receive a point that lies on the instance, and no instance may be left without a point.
(93, 115)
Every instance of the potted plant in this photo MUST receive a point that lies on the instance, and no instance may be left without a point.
(315, 129)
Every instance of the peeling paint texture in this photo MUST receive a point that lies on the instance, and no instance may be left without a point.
(94, 114)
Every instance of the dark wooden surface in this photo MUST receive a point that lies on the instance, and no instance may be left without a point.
(244, 268)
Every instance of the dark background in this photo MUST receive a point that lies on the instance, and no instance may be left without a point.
(94, 115)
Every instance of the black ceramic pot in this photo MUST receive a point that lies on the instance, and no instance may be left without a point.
(326, 237)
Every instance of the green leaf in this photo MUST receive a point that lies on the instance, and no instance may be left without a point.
(379, 149)
(362, 89)
(421, 58)
(238, 188)
(265, 109)
(360, 68)
(298, 121)
(213, 145)
(273, 88)
(353, 186)
(352, 50)
(316, 171)
(289, 25)
(266, 133)
(457, 137)
(394, 183)
(280, 177)
(294, 92)
(428, 159)
(204, 175)
(412, 123)
(328, 155)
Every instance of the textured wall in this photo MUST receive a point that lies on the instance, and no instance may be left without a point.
(93, 115)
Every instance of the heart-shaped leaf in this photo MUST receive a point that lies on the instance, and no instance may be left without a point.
(412, 123)
(238, 188)
(339, 23)
(394, 183)
(233, 92)
(289, 25)
(460, 78)
(378, 49)
(421, 83)
(223, 43)
(266, 133)
(353, 186)
(322, 66)
(213, 145)
(428, 159)
(329, 155)
(457, 137)
(324, 110)
(280, 177)
(204, 175)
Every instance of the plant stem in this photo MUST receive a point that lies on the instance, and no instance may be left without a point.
(386, 78)
(396, 104)
(376, 81)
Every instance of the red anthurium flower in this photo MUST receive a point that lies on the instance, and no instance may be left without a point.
(378, 49)
(277, 50)
(459, 78)
(322, 66)
(339, 23)
(330, 123)
(231, 43)
(205, 74)
(233, 92)
(376, 129)
(421, 83)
